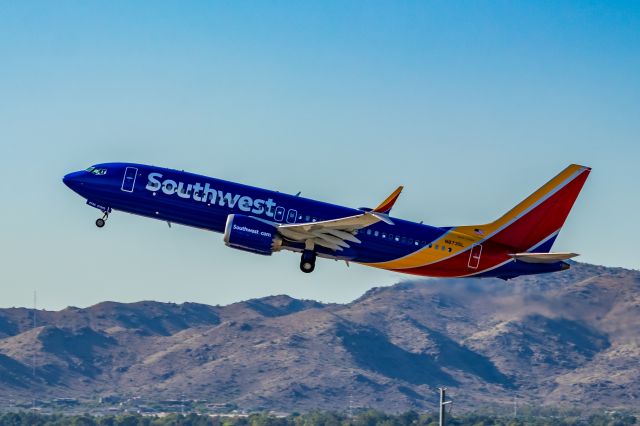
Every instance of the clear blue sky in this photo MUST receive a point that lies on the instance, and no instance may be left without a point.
(471, 105)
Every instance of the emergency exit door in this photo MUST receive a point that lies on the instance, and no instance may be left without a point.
(474, 256)
(129, 179)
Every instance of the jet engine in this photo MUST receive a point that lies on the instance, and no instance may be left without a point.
(251, 234)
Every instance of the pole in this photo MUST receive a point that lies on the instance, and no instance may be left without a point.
(34, 329)
(443, 404)
(35, 323)
(442, 414)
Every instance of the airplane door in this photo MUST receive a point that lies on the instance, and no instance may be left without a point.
(279, 216)
(474, 256)
(292, 215)
(129, 179)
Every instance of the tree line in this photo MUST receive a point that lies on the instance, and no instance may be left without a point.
(319, 418)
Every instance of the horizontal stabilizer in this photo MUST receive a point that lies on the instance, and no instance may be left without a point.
(543, 257)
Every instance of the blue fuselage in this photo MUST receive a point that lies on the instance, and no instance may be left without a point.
(204, 202)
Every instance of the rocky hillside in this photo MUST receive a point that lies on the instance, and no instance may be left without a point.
(570, 338)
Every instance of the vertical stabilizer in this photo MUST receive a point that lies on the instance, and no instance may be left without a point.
(534, 224)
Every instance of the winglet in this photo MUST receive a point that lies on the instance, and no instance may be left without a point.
(386, 205)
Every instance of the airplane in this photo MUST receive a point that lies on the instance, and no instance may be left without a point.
(261, 221)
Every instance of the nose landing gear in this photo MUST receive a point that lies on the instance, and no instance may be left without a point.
(100, 222)
(308, 261)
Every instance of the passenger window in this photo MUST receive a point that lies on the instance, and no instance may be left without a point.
(368, 231)
(449, 249)
(417, 242)
(397, 238)
(384, 235)
(410, 240)
(307, 218)
(436, 247)
(443, 247)
(404, 240)
(375, 233)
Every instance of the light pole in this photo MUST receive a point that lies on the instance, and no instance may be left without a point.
(443, 403)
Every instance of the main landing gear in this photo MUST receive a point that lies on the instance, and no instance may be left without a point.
(100, 222)
(308, 261)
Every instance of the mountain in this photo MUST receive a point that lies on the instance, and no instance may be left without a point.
(564, 339)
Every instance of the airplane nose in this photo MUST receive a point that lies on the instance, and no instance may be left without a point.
(73, 180)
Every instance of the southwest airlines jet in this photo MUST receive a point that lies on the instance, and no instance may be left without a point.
(263, 222)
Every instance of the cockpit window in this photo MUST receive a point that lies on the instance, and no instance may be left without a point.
(96, 171)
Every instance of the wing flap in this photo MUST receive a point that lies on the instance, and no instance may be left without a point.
(331, 239)
(346, 236)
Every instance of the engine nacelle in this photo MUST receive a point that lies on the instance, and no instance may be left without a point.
(251, 234)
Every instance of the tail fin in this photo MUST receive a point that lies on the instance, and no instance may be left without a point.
(534, 224)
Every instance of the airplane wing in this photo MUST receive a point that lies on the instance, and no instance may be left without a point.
(336, 234)
(542, 257)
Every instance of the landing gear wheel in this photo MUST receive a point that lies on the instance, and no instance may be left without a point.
(308, 261)
(103, 220)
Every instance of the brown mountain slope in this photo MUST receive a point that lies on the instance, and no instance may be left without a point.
(566, 338)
